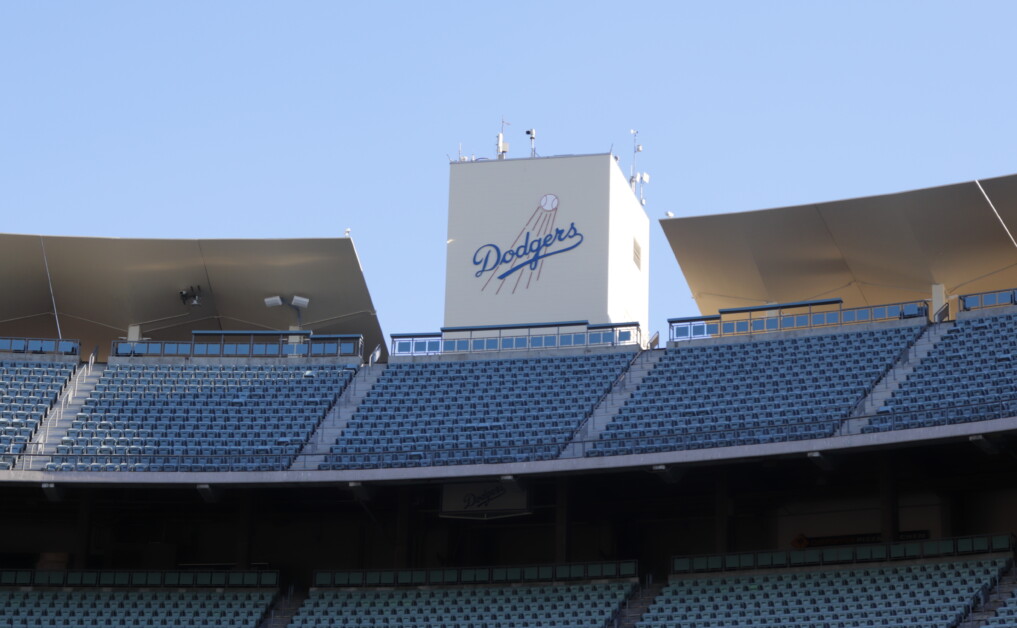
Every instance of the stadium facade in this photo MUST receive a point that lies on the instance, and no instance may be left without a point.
(213, 432)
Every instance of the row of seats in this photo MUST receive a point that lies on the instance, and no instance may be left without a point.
(967, 376)
(474, 412)
(27, 391)
(105, 608)
(554, 606)
(929, 595)
(772, 388)
(738, 393)
(155, 417)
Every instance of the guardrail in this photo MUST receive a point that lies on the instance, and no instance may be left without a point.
(839, 555)
(516, 338)
(477, 575)
(778, 319)
(99, 578)
(983, 300)
(40, 345)
(286, 345)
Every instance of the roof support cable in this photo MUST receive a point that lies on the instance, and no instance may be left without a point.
(49, 278)
(993, 207)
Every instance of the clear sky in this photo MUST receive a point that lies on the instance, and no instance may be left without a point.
(301, 119)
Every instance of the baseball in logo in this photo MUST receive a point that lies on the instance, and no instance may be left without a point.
(522, 262)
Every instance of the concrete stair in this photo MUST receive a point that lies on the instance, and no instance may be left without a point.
(894, 377)
(996, 598)
(60, 417)
(608, 407)
(283, 609)
(636, 605)
(332, 426)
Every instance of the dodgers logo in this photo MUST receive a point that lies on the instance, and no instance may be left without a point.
(538, 240)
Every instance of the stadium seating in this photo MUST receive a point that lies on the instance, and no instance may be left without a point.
(27, 391)
(553, 606)
(190, 416)
(481, 411)
(1006, 615)
(968, 376)
(923, 595)
(774, 388)
(107, 608)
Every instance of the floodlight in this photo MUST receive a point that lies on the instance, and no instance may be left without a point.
(273, 301)
(191, 296)
(300, 302)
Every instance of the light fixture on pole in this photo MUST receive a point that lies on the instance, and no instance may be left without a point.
(298, 303)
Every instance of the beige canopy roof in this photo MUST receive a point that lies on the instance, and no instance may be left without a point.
(866, 251)
(102, 285)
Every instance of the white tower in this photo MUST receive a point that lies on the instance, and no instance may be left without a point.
(545, 240)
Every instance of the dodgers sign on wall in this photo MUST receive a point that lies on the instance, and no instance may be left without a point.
(521, 262)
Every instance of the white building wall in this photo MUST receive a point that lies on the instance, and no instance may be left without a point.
(565, 203)
(628, 283)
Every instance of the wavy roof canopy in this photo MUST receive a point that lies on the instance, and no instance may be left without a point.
(102, 285)
(866, 251)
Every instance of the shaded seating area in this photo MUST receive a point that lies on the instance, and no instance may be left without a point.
(37, 608)
(588, 605)
(927, 595)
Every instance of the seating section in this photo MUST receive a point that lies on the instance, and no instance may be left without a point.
(920, 595)
(767, 390)
(553, 606)
(1006, 615)
(482, 411)
(83, 608)
(199, 417)
(969, 375)
(27, 391)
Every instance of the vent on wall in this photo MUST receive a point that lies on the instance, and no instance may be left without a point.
(637, 254)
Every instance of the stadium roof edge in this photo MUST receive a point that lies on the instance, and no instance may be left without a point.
(889, 248)
(94, 288)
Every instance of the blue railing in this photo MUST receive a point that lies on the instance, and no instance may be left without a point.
(40, 345)
(567, 335)
(987, 299)
(247, 345)
(778, 318)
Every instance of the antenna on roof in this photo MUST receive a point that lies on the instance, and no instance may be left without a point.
(502, 147)
(533, 142)
(636, 149)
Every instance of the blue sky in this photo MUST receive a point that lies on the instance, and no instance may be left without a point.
(264, 120)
